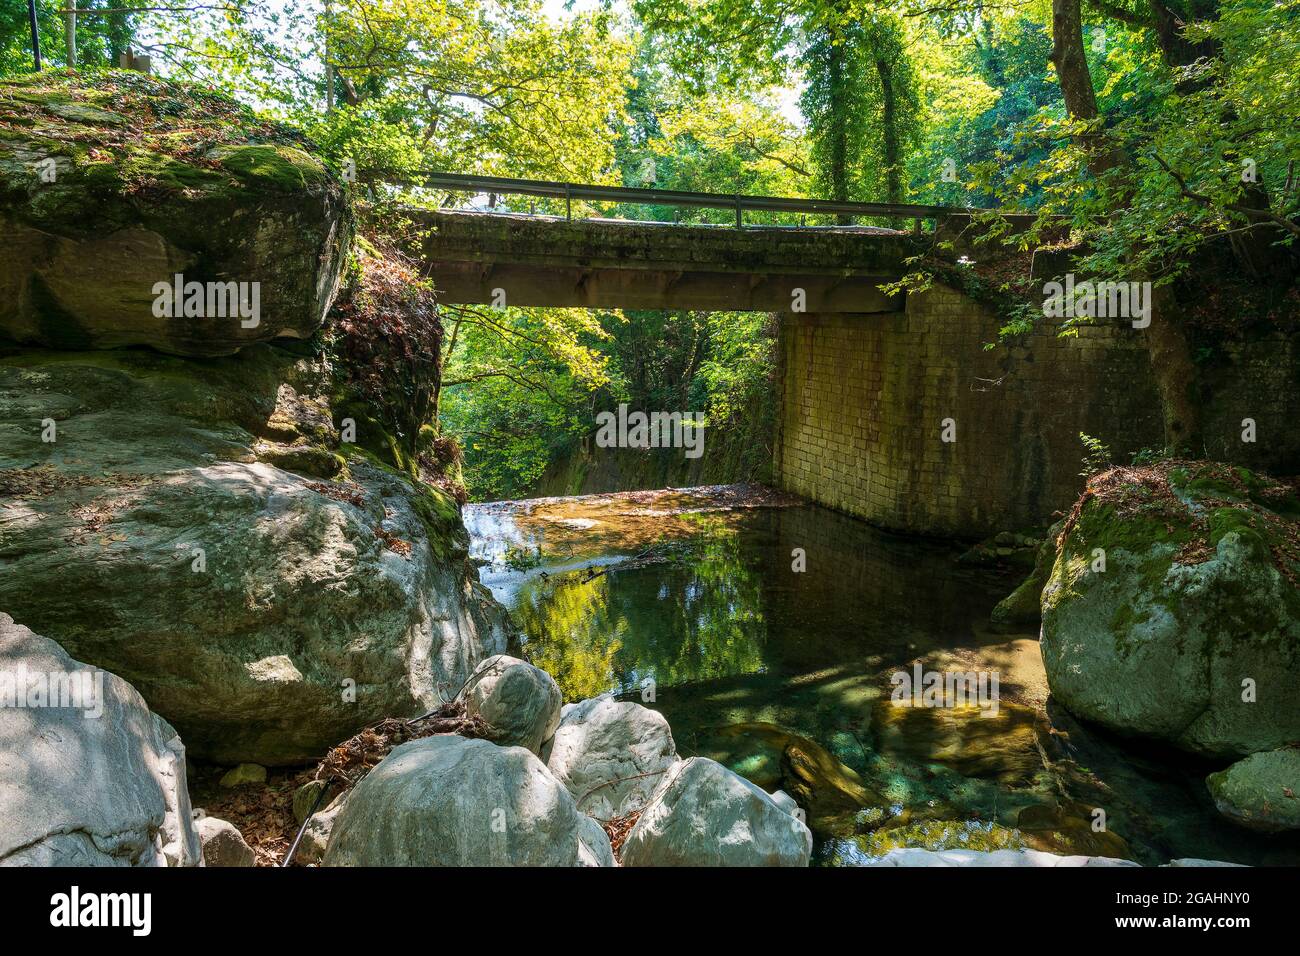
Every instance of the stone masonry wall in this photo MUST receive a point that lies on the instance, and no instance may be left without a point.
(864, 399)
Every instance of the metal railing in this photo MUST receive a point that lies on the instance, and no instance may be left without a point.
(501, 185)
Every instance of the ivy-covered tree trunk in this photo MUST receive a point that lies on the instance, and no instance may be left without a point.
(837, 168)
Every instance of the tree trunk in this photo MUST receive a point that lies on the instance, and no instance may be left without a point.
(1167, 346)
(1175, 375)
(1076, 82)
(889, 131)
(838, 171)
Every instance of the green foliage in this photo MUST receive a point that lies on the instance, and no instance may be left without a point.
(1096, 456)
(100, 39)
(850, 99)
(860, 102)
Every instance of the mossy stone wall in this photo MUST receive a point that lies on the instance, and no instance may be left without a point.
(864, 399)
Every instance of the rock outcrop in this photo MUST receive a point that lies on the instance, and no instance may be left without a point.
(266, 613)
(88, 775)
(610, 755)
(110, 190)
(1172, 611)
(1023, 607)
(519, 703)
(265, 543)
(316, 834)
(451, 801)
(702, 814)
(1261, 792)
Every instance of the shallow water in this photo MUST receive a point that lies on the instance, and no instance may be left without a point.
(688, 601)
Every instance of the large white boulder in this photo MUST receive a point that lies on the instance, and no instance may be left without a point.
(702, 814)
(262, 612)
(519, 702)
(449, 801)
(98, 781)
(610, 755)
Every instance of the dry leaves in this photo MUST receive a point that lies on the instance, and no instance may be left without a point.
(617, 830)
(345, 491)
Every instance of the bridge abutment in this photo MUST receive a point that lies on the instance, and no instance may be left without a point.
(868, 400)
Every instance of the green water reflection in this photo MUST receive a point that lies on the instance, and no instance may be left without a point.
(784, 676)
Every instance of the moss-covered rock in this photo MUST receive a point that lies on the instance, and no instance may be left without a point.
(1023, 606)
(1261, 792)
(1173, 612)
(111, 183)
(387, 336)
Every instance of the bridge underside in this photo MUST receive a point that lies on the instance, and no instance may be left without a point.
(892, 409)
(546, 261)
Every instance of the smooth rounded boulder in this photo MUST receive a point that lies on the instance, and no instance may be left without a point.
(1171, 612)
(88, 775)
(223, 844)
(610, 755)
(702, 814)
(519, 703)
(452, 801)
(1261, 792)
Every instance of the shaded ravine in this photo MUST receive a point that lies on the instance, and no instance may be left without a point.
(689, 601)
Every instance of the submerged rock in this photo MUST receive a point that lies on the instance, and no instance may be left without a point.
(776, 758)
(102, 785)
(449, 801)
(1261, 792)
(519, 702)
(973, 741)
(95, 219)
(223, 844)
(1191, 633)
(702, 814)
(1067, 827)
(610, 755)
(930, 835)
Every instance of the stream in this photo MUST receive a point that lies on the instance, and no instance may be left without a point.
(689, 601)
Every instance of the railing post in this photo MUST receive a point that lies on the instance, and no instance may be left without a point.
(740, 222)
(568, 203)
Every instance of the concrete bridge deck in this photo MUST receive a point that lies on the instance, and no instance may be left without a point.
(611, 263)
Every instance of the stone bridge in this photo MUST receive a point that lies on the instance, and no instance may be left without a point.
(872, 385)
(614, 264)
